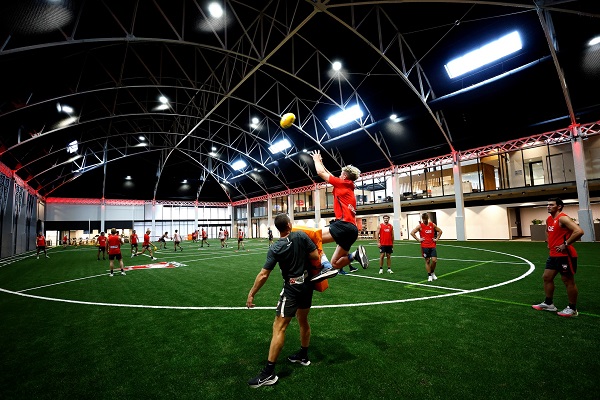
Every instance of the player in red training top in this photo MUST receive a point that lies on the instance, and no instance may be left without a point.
(195, 236)
(240, 240)
(204, 239)
(134, 243)
(429, 234)
(113, 245)
(40, 243)
(65, 241)
(101, 246)
(226, 233)
(385, 238)
(147, 245)
(561, 233)
(343, 230)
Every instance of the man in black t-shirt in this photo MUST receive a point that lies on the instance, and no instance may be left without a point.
(293, 251)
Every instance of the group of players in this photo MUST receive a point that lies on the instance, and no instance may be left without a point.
(295, 252)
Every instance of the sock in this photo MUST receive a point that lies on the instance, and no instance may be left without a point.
(573, 306)
(270, 367)
(429, 273)
(351, 257)
(303, 352)
(548, 300)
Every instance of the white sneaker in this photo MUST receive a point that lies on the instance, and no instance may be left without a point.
(380, 271)
(430, 278)
(568, 312)
(38, 257)
(433, 276)
(546, 307)
(132, 255)
(390, 271)
(111, 274)
(123, 273)
(154, 258)
(47, 256)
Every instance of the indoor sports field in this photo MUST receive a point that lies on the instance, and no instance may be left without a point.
(183, 332)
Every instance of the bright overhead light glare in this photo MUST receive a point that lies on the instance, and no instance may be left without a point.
(185, 181)
(128, 177)
(215, 10)
(255, 120)
(141, 138)
(594, 41)
(238, 165)
(393, 117)
(212, 154)
(72, 147)
(336, 65)
(280, 146)
(486, 54)
(344, 117)
(163, 99)
(213, 148)
(67, 109)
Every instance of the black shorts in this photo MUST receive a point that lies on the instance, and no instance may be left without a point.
(115, 256)
(428, 252)
(294, 297)
(344, 233)
(386, 249)
(240, 240)
(565, 265)
(41, 248)
(134, 245)
(102, 248)
(146, 246)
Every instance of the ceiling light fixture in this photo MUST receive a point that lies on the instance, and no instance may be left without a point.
(486, 54)
(215, 10)
(344, 117)
(163, 99)
(141, 138)
(72, 147)
(594, 41)
(280, 146)
(336, 65)
(239, 165)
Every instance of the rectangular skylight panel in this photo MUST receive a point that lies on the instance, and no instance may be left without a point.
(491, 52)
(344, 117)
(280, 146)
(238, 165)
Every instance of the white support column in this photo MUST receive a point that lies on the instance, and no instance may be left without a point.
(397, 218)
(153, 221)
(584, 214)
(196, 215)
(270, 212)
(248, 220)
(459, 198)
(291, 207)
(102, 215)
(317, 205)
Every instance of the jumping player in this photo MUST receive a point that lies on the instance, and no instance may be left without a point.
(343, 230)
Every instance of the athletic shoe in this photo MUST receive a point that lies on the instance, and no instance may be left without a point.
(380, 271)
(545, 307)
(132, 256)
(353, 269)
(568, 312)
(123, 273)
(390, 271)
(430, 278)
(360, 255)
(342, 272)
(263, 379)
(325, 273)
(38, 257)
(111, 274)
(295, 358)
(47, 256)
(154, 258)
(433, 276)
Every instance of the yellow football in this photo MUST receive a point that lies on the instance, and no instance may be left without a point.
(287, 120)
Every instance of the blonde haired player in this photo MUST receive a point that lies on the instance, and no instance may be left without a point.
(343, 230)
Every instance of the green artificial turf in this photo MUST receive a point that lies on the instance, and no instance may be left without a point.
(373, 336)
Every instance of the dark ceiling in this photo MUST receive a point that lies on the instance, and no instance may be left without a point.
(111, 60)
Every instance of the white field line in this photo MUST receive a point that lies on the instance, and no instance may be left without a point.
(528, 272)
